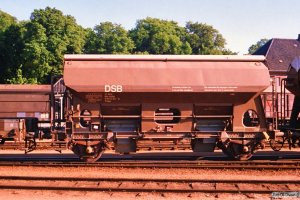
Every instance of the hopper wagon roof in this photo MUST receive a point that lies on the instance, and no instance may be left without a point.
(27, 88)
(166, 73)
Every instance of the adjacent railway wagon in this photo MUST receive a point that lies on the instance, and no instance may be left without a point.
(291, 129)
(24, 114)
(133, 102)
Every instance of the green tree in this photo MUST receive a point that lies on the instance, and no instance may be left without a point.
(6, 20)
(228, 52)
(257, 45)
(8, 38)
(35, 55)
(35, 48)
(156, 36)
(108, 38)
(32, 51)
(20, 79)
(11, 48)
(204, 39)
(60, 34)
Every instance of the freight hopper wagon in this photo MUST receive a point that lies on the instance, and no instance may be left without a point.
(24, 116)
(124, 102)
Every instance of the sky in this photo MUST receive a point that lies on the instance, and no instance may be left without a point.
(241, 22)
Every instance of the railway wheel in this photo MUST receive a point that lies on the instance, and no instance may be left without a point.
(277, 143)
(239, 151)
(85, 154)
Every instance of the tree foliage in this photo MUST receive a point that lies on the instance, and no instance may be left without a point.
(35, 48)
(20, 79)
(59, 34)
(6, 20)
(204, 39)
(156, 36)
(32, 51)
(11, 46)
(257, 45)
(108, 38)
(35, 53)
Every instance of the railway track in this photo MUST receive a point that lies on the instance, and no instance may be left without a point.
(148, 185)
(256, 165)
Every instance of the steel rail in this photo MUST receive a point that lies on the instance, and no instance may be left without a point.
(258, 165)
(110, 179)
(147, 185)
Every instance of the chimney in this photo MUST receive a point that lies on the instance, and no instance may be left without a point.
(298, 37)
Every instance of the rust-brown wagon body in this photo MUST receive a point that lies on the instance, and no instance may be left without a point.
(124, 101)
(24, 112)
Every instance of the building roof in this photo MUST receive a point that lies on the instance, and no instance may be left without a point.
(279, 54)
